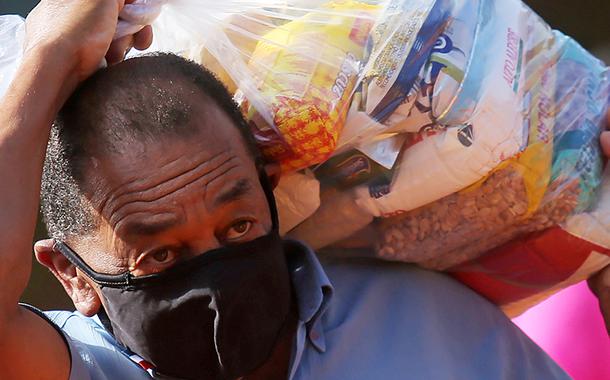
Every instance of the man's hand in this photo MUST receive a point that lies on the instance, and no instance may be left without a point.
(600, 283)
(606, 138)
(80, 32)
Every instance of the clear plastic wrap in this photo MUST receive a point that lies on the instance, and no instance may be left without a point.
(12, 33)
(445, 129)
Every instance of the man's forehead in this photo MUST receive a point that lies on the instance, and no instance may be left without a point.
(204, 161)
(208, 130)
(169, 199)
(155, 223)
(145, 113)
(168, 165)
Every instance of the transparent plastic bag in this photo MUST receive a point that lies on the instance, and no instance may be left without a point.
(132, 19)
(136, 15)
(12, 33)
(465, 187)
(444, 128)
(294, 66)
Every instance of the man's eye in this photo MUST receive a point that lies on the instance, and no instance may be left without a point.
(238, 230)
(155, 261)
(161, 256)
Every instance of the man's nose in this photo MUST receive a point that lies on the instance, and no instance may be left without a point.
(203, 241)
(205, 244)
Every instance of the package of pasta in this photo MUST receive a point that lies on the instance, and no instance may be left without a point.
(309, 68)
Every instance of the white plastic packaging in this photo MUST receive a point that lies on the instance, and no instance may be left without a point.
(12, 33)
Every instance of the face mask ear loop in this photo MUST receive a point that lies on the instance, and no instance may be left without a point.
(266, 184)
(99, 278)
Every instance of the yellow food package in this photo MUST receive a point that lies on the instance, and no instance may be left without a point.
(243, 31)
(306, 70)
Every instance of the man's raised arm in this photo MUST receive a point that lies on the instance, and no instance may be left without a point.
(66, 40)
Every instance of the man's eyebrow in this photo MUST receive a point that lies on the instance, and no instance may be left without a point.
(237, 191)
(150, 227)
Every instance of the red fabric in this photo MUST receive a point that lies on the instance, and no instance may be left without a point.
(527, 266)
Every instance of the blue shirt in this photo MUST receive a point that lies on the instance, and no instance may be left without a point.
(362, 320)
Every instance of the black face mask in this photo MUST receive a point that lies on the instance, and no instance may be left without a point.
(216, 316)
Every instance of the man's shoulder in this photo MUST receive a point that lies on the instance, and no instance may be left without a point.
(391, 320)
(396, 281)
(377, 270)
(376, 290)
(95, 353)
(78, 326)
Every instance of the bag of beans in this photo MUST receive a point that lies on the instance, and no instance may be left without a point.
(522, 273)
(432, 131)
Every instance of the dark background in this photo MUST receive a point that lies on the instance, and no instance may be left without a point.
(588, 21)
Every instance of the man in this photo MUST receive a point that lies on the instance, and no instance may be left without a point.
(165, 237)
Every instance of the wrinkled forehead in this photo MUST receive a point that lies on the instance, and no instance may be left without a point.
(207, 145)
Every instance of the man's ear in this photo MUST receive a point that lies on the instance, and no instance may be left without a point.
(274, 172)
(82, 292)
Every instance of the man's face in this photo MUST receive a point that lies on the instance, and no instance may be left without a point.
(169, 200)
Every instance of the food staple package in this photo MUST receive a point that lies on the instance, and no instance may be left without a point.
(461, 135)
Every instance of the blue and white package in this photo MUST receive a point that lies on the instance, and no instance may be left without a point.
(475, 103)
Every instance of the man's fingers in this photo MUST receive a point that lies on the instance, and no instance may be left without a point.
(118, 49)
(605, 137)
(143, 38)
(600, 286)
(604, 305)
(605, 141)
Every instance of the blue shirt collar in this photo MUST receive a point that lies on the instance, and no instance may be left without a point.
(312, 288)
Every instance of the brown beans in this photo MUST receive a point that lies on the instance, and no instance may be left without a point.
(465, 225)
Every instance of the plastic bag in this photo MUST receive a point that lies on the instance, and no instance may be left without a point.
(294, 66)
(560, 93)
(132, 19)
(136, 15)
(446, 128)
(12, 33)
